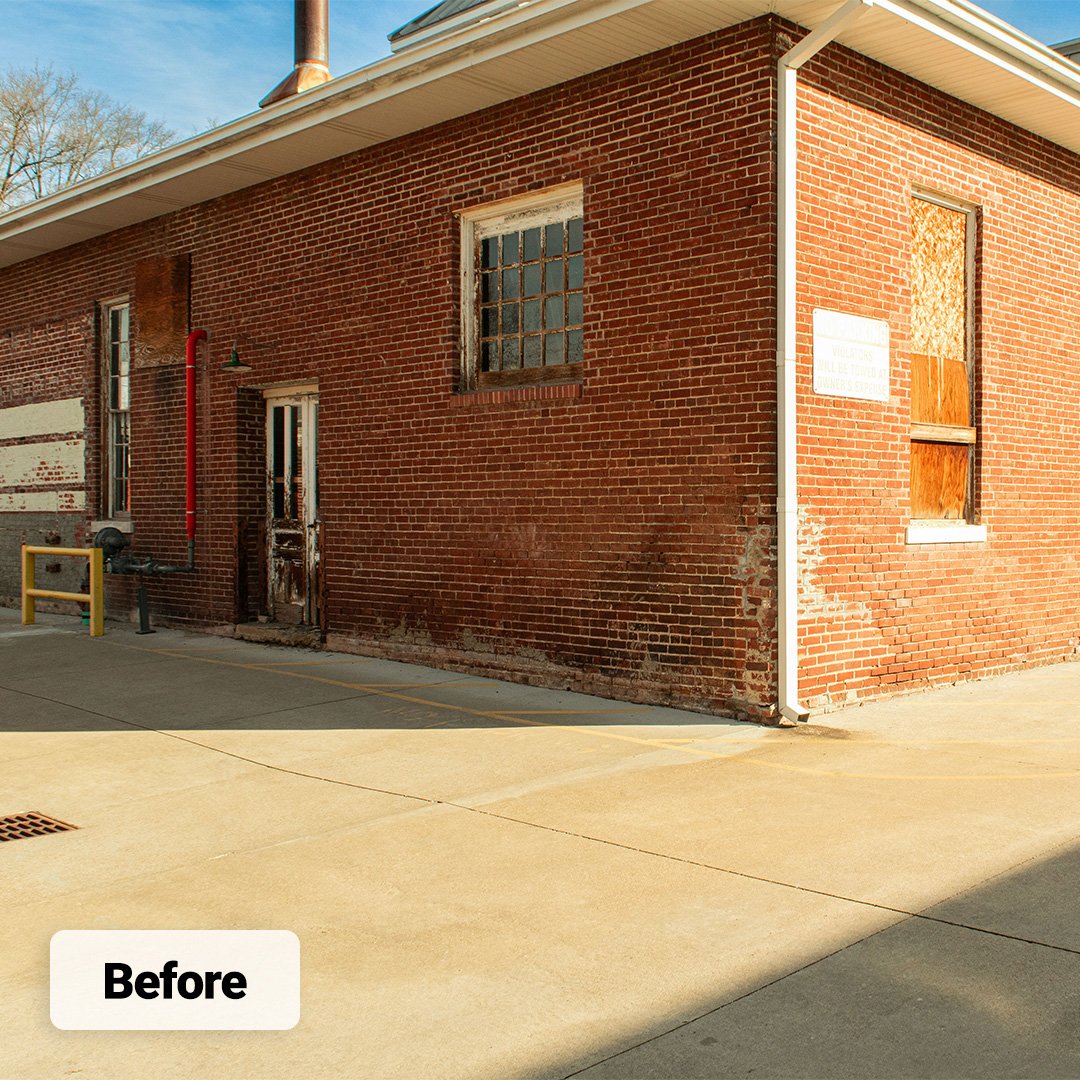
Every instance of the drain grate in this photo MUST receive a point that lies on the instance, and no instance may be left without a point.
(21, 826)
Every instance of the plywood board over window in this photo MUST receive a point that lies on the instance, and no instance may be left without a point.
(943, 432)
(162, 291)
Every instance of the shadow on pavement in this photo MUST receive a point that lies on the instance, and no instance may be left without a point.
(986, 985)
(54, 678)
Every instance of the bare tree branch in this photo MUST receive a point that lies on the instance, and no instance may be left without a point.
(54, 134)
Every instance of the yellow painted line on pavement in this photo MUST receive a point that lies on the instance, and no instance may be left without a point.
(297, 663)
(571, 712)
(653, 744)
(423, 685)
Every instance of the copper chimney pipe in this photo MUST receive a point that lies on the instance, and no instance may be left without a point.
(311, 52)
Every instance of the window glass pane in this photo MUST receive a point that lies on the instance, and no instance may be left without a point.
(532, 351)
(120, 440)
(314, 445)
(575, 347)
(575, 272)
(530, 280)
(123, 387)
(575, 234)
(554, 276)
(489, 252)
(511, 353)
(277, 463)
(114, 377)
(118, 359)
(120, 462)
(529, 294)
(530, 245)
(553, 349)
(296, 465)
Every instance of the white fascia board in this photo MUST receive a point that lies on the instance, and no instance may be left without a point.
(340, 103)
(501, 33)
(478, 14)
(1002, 31)
(996, 42)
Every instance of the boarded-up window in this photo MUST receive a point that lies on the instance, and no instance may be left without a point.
(942, 413)
(161, 307)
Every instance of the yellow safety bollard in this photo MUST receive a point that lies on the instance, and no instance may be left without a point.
(95, 597)
(97, 593)
(27, 583)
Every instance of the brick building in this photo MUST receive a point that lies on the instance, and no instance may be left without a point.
(546, 321)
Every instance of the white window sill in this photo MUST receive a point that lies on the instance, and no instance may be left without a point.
(121, 524)
(946, 534)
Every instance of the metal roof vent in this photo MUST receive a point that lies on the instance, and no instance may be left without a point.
(311, 52)
(447, 17)
(1069, 49)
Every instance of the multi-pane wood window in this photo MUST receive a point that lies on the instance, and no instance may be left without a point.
(943, 432)
(116, 341)
(523, 280)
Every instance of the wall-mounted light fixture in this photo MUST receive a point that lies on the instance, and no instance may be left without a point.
(234, 363)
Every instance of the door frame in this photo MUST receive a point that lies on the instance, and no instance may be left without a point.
(306, 397)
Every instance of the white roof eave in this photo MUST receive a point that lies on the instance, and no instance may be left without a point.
(950, 44)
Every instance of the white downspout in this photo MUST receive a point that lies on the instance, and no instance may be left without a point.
(787, 507)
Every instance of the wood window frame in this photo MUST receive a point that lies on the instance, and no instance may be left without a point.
(937, 437)
(535, 209)
(115, 510)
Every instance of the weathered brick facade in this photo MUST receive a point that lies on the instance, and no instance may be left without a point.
(878, 614)
(618, 539)
(618, 535)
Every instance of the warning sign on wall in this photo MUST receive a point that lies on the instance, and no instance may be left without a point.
(851, 356)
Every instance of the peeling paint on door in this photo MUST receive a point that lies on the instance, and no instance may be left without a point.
(293, 531)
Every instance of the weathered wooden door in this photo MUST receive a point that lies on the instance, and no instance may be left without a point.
(292, 508)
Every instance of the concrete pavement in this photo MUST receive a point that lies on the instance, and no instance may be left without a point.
(492, 881)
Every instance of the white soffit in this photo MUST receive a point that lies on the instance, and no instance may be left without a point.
(526, 49)
(1031, 91)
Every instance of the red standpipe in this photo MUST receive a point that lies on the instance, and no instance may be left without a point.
(192, 341)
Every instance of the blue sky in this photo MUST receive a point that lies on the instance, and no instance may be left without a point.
(194, 62)
(188, 62)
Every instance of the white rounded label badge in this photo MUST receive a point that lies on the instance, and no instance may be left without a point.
(174, 980)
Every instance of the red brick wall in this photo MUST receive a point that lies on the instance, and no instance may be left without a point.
(880, 615)
(621, 540)
(44, 356)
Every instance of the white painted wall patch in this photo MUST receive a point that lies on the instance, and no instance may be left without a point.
(60, 464)
(42, 418)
